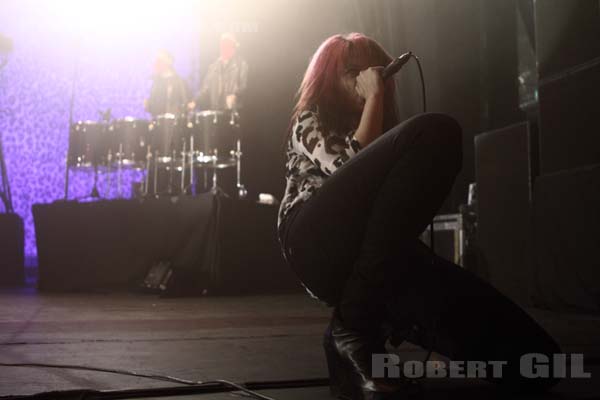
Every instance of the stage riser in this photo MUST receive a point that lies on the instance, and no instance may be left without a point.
(110, 245)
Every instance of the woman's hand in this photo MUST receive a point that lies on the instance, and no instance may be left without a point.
(369, 86)
(369, 83)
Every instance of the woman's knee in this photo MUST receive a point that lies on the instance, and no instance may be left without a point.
(439, 133)
(437, 128)
(443, 130)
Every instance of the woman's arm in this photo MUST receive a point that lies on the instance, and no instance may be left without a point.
(326, 152)
(369, 86)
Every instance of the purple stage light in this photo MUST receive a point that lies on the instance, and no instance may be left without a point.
(99, 52)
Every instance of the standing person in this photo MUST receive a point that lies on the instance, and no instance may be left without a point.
(169, 93)
(360, 189)
(225, 83)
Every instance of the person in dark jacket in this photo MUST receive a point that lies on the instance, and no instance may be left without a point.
(169, 93)
(225, 83)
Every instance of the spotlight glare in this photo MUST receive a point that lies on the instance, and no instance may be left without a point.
(111, 19)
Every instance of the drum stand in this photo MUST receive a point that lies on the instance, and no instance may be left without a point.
(171, 173)
(237, 154)
(183, 156)
(109, 158)
(242, 192)
(192, 184)
(145, 189)
(95, 193)
(152, 165)
(155, 167)
(212, 161)
(170, 163)
(109, 175)
(120, 171)
(215, 189)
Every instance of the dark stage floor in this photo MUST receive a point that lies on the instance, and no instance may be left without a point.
(243, 339)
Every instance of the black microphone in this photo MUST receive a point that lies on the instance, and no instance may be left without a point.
(395, 65)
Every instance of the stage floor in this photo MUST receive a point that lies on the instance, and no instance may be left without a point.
(243, 339)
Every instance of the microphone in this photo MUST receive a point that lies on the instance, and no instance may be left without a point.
(395, 65)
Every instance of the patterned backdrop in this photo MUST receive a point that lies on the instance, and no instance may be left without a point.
(99, 52)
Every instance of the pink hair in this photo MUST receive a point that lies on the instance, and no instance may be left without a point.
(320, 88)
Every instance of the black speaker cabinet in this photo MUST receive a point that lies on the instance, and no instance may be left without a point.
(12, 250)
(567, 34)
(566, 212)
(503, 208)
(569, 123)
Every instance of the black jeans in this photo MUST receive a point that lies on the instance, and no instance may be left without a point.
(354, 245)
(373, 206)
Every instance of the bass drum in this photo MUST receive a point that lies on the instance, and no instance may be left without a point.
(129, 140)
(214, 135)
(88, 144)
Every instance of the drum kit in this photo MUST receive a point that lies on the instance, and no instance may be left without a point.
(172, 151)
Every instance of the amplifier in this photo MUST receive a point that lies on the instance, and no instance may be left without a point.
(12, 250)
(449, 237)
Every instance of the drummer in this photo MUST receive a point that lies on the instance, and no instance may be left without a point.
(225, 82)
(169, 93)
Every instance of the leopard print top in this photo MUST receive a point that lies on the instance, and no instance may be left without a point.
(311, 158)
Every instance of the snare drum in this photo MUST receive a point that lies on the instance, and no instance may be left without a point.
(129, 140)
(214, 135)
(88, 144)
(166, 138)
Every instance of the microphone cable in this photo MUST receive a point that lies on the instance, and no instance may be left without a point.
(431, 227)
(424, 100)
(219, 382)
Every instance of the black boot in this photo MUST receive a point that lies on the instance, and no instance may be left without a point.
(349, 360)
(464, 318)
